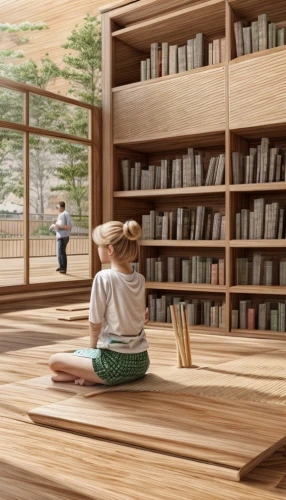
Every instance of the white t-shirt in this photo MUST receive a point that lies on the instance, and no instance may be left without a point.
(64, 219)
(118, 302)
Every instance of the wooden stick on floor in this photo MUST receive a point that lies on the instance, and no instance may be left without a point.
(175, 326)
(181, 334)
(186, 336)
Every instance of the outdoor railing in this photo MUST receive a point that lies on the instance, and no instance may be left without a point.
(44, 246)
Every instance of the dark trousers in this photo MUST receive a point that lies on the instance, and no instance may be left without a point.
(62, 256)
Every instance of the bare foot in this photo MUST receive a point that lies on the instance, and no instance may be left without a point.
(63, 377)
(82, 381)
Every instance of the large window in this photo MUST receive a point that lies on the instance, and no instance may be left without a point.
(58, 172)
(11, 208)
(46, 156)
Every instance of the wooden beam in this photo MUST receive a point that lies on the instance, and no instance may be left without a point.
(22, 87)
(115, 5)
(107, 127)
(26, 204)
(41, 131)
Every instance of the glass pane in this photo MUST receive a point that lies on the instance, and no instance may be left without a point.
(58, 172)
(59, 116)
(11, 105)
(11, 208)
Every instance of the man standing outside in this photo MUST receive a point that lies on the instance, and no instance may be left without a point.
(62, 225)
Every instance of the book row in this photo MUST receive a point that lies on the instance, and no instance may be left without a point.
(261, 270)
(168, 59)
(259, 316)
(266, 221)
(200, 223)
(262, 164)
(199, 312)
(260, 35)
(193, 169)
(195, 269)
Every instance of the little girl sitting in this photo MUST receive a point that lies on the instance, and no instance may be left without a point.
(118, 343)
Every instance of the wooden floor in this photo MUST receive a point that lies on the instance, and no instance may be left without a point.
(43, 270)
(47, 464)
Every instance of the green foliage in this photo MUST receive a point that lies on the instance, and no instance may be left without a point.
(24, 26)
(83, 70)
(81, 221)
(72, 172)
(42, 230)
(39, 75)
(4, 185)
(11, 54)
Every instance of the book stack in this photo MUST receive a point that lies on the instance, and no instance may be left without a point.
(195, 269)
(267, 221)
(209, 313)
(192, 169)
(265, 315)
(184, 224)
(259, 35)
(168, 59)
(262, 164)
(261, 270)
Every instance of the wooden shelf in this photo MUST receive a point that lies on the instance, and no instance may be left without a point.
(176, 27)
(169, 192)
(206, 330)
(166, 78)
(182, 243)
(263, 290)
(260, 334)
(186, 287)
(267, 186)
(258, 243)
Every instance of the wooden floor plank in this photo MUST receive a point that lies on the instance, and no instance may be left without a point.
(225, 439)
(50, 465)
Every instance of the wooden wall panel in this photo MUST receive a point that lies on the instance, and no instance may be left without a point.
(257, 90)
(190, 104)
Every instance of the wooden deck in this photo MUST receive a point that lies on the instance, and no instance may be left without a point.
(43, 270)
(47, 464)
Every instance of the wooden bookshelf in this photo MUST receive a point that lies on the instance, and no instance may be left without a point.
(258, 243)
(149, 193)
(221, 108)
(264, 290)
(185, 287)
(183, 243)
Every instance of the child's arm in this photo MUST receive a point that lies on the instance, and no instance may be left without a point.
(94, 330)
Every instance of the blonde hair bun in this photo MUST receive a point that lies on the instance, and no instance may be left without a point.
(132, 230)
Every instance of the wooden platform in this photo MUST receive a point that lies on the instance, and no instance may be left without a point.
(220, 439)
(48, 464)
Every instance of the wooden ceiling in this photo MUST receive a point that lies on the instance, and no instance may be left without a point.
(60, 15)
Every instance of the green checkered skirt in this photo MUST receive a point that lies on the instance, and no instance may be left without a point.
(116, 367)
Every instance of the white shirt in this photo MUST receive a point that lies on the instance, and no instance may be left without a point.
(118, 302)
(64, 219)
